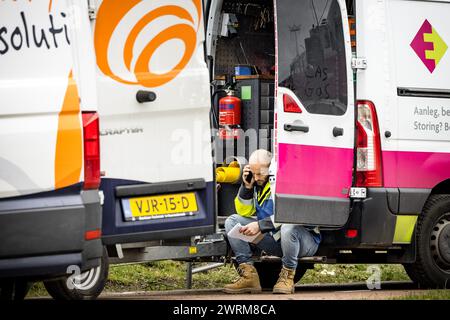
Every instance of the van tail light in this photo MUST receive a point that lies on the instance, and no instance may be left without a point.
(93, 234)
(290, 105)
(91, 139)
(351, 233)
(368, 147)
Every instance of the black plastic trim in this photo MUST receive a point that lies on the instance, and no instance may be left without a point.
(423, 93)
(160, 187)
(378, 222)
(307, 210)
(157, 235)
(412, 201)
(393, 199)
(39, 266)
(35, 230)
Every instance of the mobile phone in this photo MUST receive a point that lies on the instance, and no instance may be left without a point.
(249, 177)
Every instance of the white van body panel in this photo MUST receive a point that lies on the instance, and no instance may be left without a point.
(33, 85)
(412, 73)
(169, 138)
(395, 45)
(383, 38)
(320, 126)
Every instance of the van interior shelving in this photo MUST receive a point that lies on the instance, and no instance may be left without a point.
(245, 50)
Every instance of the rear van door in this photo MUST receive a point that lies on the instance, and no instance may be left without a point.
(49, 198)
(40, 125)
(315, 113)
(154, 104)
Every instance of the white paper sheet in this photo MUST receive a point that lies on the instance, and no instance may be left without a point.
(234, 233)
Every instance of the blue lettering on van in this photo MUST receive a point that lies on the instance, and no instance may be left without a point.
(20, 36)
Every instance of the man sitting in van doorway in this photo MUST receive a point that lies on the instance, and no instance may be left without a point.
(254, 205)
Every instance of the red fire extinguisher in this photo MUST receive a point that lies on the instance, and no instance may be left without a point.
(229, 116)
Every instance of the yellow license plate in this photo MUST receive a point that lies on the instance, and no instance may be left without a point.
(168, 204)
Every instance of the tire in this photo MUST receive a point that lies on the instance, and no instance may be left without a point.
(269, 272)
(432, 266)
(91, 283)
(14, 290)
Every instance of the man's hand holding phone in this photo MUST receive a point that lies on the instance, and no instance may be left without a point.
(247, 177)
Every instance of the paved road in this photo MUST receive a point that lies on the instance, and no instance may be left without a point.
(303, 292)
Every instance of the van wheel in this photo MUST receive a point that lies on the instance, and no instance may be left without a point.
(86, 286)
(432, 266)
(14, 290)
(269, 272)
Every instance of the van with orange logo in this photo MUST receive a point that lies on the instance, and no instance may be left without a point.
(154, 105)
(50, 211)
(153, 92)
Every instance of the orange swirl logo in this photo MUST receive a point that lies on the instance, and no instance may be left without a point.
(135, 60)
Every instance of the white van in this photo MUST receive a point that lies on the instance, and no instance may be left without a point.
(351, 96)
(154, 105)
(50, 212)
(372, 155)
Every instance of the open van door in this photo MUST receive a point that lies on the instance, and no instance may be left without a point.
(315, 113)
(154, 95)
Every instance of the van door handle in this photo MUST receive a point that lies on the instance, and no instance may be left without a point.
(145, 96)
(295, 127)
(338, 131)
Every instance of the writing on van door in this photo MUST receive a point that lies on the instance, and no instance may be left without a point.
(134, 38)
(39, 85)
(26, 33)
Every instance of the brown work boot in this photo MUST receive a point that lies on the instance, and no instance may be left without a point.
(248, 281)
(285, 283)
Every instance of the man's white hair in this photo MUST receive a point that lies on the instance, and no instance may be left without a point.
(261, 156)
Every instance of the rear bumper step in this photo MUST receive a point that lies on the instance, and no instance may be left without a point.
(45, 233)
(40, 266)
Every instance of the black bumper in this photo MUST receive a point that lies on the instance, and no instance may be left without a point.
(375, 219)
(117, 230)
(379, 212)
(42, 235)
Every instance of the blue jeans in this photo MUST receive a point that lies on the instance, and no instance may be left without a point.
(296, 242)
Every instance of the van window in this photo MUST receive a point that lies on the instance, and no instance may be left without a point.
(311, 54)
